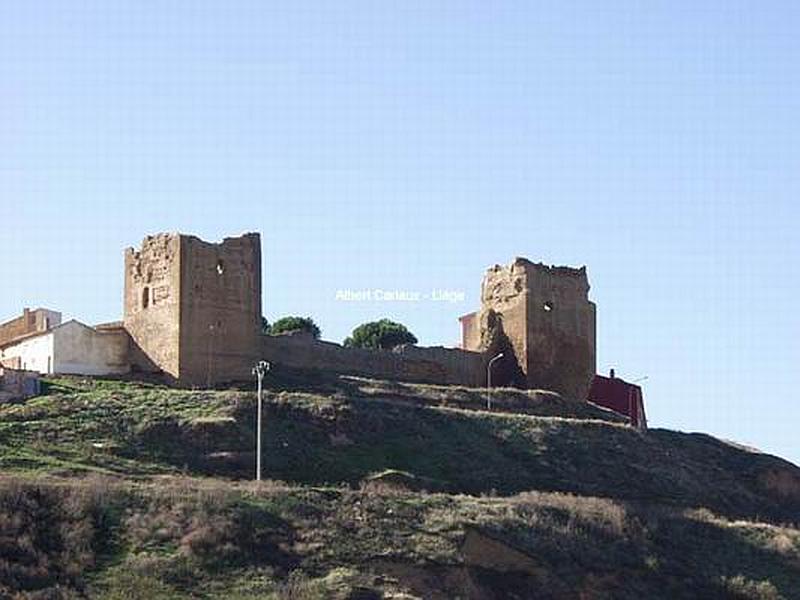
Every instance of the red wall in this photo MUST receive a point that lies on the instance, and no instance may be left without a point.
(620, 396)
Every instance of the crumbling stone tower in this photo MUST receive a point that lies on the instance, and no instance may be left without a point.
(540, 317)
(193, 308)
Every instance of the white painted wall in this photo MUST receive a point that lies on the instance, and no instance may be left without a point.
(75, 349)
(35, 354)
(82, 350)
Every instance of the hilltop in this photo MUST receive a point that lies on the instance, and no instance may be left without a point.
(380, 488)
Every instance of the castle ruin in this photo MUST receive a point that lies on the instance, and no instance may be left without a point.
(193, 308)
(192, 313)
(542, 317)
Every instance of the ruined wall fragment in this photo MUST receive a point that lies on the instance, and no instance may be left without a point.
(193, 308)
(152, 301)
(542, 320)
(220, 308)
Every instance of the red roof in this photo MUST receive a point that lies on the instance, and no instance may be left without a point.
(620, 396)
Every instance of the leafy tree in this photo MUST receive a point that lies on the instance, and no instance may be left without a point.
(265, 326)
(287, 324)
(383, 334)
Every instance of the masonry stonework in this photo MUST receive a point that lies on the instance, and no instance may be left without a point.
(220, 308)
(152, 301)
(540, 317)
(437, 365)
(193, 308)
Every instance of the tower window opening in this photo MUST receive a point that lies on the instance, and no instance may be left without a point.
(548, 306)
(145, 297)
(220, 267)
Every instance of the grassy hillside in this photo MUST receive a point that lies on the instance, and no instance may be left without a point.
(110, 487)
(175, 538)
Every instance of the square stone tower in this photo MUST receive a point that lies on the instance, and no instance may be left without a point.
(193, 308)
(543, 316)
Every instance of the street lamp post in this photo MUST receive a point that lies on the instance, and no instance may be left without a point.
(208, 357)
(489, 381)
(259, 371)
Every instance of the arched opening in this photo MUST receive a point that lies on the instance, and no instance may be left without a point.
(220, 267)
(145, 297)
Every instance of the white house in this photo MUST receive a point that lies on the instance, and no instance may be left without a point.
(70, 348)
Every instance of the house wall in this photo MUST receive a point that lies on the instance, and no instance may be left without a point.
(32, 354)
(82, 350)
(30, 321)
(470, 331)
(620, 396)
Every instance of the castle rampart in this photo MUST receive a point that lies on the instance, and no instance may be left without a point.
(192, 312)
(438, 365)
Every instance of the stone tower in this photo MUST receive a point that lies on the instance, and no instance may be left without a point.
(193, 308)
(542, 316)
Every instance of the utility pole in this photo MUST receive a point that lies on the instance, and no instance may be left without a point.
(489, 381)
(208, 361)
(259, 371)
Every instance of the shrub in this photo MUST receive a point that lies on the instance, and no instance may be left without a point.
(290, 324)
(50, 535)
(383, 335)
(744, 588)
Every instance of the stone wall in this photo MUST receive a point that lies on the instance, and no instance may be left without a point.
(541, 317)
(193, 311)
(408, 363)
(220, 308)
(561, 329)
(17, 384)
(193, 308)
(152, 300)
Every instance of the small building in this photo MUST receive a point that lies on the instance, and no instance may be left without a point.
(31, 321)
(620, 396)
(69, 348)
(470, 331)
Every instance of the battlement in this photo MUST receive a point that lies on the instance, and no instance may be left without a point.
(526, 275)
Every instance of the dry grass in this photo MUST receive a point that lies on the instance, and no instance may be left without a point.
(179, 537)
(50, 535)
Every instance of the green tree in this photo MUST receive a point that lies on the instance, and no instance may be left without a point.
(266, 328)
(288, 324)
(383, 334)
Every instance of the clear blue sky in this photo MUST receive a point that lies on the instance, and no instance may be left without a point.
(411, 145)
